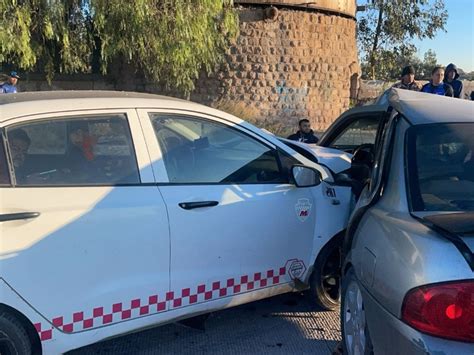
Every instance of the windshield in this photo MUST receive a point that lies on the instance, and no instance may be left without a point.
(441, 167)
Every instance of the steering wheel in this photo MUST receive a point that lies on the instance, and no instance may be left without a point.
(369, 147)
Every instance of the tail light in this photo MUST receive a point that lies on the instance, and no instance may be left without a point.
(444, 310)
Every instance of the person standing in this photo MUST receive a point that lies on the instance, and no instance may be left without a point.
(305, 133)
(407, 80)
(451, 76)
(9, 87)
(436, 85)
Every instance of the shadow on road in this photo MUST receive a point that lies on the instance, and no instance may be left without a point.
(285, 324)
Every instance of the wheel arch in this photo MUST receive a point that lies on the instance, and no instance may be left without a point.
(27, 324)
(337, 238)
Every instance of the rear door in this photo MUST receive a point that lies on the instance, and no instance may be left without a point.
(237, 225)
(83, 238)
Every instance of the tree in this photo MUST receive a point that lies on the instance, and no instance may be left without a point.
(169, 41)
(390, 25)
(429, 62)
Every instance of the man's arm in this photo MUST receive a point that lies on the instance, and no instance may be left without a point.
(448, 90)
(461, 90)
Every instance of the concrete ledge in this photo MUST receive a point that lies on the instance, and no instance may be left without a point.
(345, 7)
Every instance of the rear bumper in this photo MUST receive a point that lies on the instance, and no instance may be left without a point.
(390, 335)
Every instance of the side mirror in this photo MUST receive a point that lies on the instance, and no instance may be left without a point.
(304, 176)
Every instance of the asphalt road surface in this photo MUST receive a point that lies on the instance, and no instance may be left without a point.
(285, 324)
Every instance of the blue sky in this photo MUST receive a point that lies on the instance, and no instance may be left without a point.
(457, 44)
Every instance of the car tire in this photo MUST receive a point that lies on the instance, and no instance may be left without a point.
(324, 282)
(355, 332)
(14, 339)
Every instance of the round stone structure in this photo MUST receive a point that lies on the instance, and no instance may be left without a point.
(292, 60)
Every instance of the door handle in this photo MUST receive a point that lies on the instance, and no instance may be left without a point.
(17, 216)
(200, 204)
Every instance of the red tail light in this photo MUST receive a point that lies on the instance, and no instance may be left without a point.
(443, 310)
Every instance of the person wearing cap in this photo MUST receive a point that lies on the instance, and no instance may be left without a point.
(9, 87)
(451, 76)
(407, 80)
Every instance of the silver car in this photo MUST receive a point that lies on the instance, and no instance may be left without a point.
(407, 274)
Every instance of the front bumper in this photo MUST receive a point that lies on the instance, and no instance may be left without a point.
(390, 335)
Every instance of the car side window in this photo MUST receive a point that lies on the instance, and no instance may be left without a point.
(362, 130)
(4, 172)
(196, 150)
(87, 150)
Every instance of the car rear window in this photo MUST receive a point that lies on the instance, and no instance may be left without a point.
(441, 167)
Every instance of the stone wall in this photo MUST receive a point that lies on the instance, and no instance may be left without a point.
(298, 64)
(287, 64)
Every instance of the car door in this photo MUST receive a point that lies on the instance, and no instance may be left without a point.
(354, 128)
(84, 237)
(237, 225)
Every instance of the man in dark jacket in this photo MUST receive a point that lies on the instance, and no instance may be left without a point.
(436, 85)
(305, 133)
(451, 76)
(407, 80)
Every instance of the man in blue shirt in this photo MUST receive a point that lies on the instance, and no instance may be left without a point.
(9, 87)
(436, 85)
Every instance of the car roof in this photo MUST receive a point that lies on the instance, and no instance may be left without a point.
(423, 108)
(43, 102)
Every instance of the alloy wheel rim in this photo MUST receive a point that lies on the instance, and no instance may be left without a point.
(354, 320)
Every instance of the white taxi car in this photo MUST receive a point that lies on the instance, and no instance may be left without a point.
(119, 211)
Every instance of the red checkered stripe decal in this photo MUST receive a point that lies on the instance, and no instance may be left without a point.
(139, 307)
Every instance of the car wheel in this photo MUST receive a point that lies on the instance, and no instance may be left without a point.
(355, 333)
(14, 339)
(325, 279)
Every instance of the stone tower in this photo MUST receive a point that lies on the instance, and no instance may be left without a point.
(293, 59)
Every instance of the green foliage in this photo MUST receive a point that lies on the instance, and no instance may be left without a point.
(385, 31)
(169, 41)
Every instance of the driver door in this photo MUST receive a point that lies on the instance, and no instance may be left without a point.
(354, 128)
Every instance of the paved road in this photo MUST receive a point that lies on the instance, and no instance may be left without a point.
(281, 325)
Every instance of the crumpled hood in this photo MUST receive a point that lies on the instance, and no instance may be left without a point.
(334, 159)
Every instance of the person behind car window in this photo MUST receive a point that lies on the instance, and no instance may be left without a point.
(19, 143)
(305, 134)
(407, 80)
(451, 76)
(80, 148)
(436, 85)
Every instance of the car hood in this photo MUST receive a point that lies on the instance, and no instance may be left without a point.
(334, 159)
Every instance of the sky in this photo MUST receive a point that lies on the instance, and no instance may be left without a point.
(457, 44)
